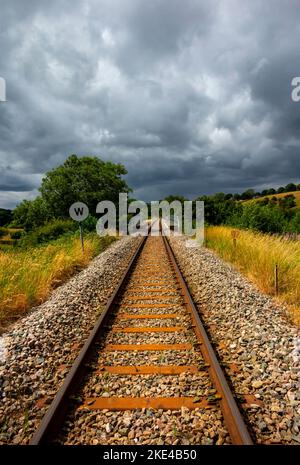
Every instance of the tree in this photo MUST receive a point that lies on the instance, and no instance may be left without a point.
(218, 210)
(85, 179)
(271, 191)
(248, 194)
(30, 214)
(290, 187)
(171, 198)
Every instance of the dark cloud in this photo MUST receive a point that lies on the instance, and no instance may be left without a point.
(193, 97)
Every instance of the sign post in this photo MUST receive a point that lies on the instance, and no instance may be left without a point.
(79, 211)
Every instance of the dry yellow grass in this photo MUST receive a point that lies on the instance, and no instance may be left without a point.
(256, 255)
(28, 276)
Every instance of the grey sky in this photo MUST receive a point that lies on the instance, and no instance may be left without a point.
(192, 96)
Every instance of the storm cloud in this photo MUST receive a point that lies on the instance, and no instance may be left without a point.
(192, 97)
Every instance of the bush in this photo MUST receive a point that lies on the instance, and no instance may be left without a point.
(3, 232)
(294, 224)
(48, 232)
(16, 234)
(89, 224)
(267, 219)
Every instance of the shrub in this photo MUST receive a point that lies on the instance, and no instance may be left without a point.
(89, 224)
(3, 232)
(16, 234)
(48, 232)
(264, 218)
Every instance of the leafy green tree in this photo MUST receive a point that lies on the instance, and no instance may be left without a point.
(290, 187)
(82, 179)
(30, 214)
(218, 210)
(271, 191)
(86, 179)
(248, 194)
(171, 198)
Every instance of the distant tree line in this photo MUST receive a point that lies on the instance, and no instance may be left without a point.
(90, 180)
(252, 194)
(266, 215)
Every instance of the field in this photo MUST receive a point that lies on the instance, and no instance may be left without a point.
(256, 255)
(278, 196)
(27, 276)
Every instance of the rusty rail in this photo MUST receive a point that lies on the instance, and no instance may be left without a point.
(232, 416)
(57, 410)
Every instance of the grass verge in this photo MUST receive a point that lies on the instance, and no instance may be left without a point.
(256, 255)
(27, 276)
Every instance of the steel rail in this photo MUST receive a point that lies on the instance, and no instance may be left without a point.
(56, 412)
(232, 416)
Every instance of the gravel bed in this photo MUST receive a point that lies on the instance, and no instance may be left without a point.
(252, 331)
(154, 310)
(147, 426)
(181, 337)
(167, 357)
(184, 321)
(36, 354)
(185, 384)
(168, 300)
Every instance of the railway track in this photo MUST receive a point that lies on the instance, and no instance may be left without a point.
(148, 356)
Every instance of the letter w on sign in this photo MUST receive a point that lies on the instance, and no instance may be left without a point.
(78, 211)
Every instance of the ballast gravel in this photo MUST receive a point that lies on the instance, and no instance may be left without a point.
(255, 341)
(37, 353)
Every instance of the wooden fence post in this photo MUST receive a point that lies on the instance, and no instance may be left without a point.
(276, 280)
(234, 235)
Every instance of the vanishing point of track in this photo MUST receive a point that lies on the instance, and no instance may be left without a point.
(151, 289)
